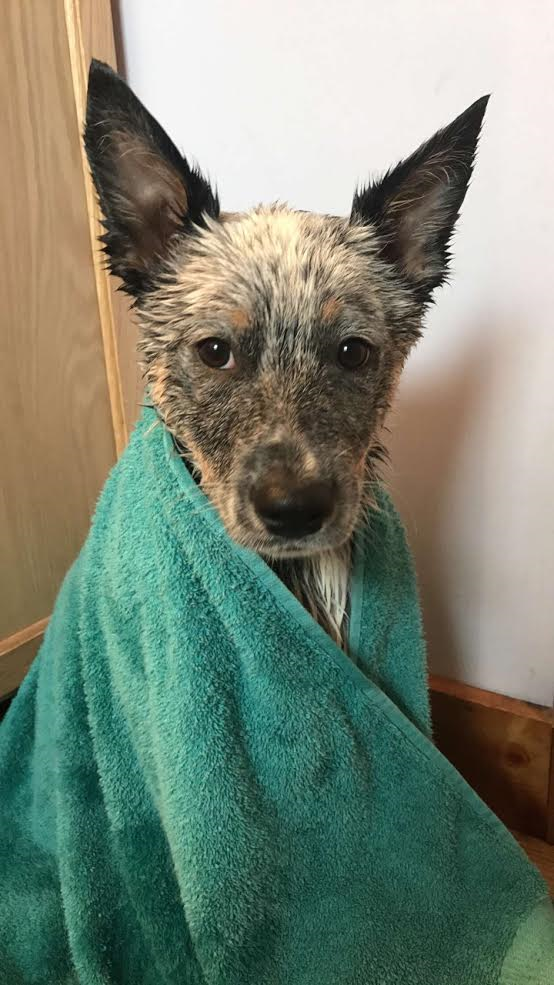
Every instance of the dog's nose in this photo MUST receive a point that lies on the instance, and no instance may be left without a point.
(293, 510)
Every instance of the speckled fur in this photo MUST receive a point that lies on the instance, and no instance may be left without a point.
(281, 267)
(284, 289)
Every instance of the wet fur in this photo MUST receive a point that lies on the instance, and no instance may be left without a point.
(281, 267)
(285, 289)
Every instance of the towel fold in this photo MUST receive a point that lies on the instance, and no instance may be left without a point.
(198, 787)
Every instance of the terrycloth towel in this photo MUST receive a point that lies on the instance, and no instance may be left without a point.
(199, 788)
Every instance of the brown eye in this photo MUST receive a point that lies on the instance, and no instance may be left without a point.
(216, 353)
(354, 353)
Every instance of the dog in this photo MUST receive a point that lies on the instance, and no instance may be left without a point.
(272, 341)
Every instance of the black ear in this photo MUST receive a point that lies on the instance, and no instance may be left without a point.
(147, 190)
(414, 207)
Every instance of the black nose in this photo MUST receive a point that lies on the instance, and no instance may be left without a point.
(293, 510)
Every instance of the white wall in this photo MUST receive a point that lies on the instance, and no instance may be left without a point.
(298, 100)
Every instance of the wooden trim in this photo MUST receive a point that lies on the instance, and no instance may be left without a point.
(541, 854)
(550, 812)
(15, 663)
(503, 747)
(25, 635)
(490, 699)
(16, 655)
(117, 34)
(79, 69)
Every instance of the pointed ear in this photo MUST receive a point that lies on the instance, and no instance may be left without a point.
(415, 206)
(148, 192)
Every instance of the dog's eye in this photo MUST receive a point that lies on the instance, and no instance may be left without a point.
(354, 353)
(216, 353)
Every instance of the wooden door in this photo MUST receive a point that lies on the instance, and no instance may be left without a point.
(68, 370)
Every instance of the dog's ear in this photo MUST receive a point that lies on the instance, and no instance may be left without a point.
(414, 207)
(147, 190)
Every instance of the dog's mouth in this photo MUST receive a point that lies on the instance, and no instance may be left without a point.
(281, 514)
(293, 539)
(292, 519)
(275, 548)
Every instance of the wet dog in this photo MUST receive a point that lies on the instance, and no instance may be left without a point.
(272, 341)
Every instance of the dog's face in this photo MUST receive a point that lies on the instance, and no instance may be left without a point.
(271, 347)
(273, 340)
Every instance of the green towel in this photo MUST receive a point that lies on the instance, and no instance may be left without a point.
(199, 788)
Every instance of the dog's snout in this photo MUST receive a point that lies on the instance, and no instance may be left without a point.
(293, 509)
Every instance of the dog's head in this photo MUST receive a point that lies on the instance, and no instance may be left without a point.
(272, 341)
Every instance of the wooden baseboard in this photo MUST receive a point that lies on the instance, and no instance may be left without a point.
(541, 854)
(16, 655)
(503, 748)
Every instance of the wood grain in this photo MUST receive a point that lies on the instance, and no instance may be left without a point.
(15, 664)
(95, 24)
(490, 699)
(541, 854)
(79, 71)
(56, 440)
(550, 818)
(501, 746)
(25, 635)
